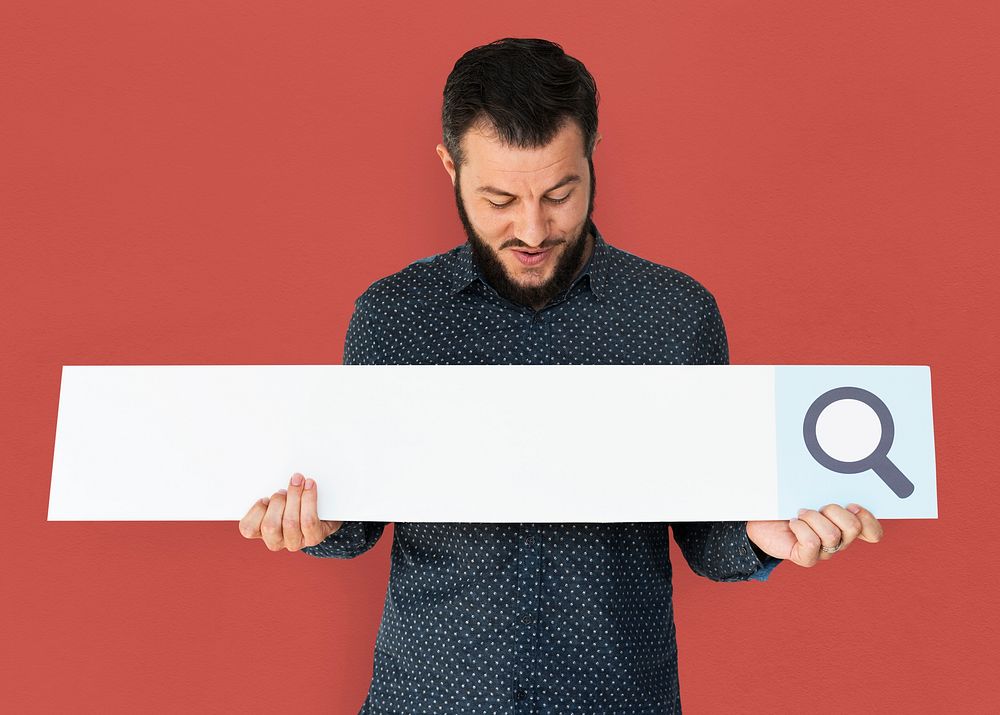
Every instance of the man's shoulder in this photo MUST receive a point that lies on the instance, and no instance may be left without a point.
(425, 278)
(641, 275)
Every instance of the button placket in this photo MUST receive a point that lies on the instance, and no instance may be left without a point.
(529, 583)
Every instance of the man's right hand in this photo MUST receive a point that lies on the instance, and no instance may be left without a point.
(288, 520)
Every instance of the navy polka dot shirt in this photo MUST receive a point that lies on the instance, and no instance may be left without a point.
(536, 618)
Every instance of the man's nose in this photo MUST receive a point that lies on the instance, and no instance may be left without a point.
(534, 226)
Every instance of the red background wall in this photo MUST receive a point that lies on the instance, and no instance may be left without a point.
(193, 182)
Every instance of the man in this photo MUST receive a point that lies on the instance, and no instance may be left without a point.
(498, 618)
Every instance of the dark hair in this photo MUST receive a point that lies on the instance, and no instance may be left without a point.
(523, 89)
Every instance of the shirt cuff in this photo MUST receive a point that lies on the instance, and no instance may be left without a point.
(767, 562)
(348, 541)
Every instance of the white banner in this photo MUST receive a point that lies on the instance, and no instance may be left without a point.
(494, 443)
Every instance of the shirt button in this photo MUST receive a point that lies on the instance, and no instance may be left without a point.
(529, 540)
(743, 549)
(527, 618)
(520, 694)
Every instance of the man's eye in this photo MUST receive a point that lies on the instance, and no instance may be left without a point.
(554, 201)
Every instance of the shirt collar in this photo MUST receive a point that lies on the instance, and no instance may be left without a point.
(465, 271)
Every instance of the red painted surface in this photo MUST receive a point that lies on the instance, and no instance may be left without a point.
(187, 183)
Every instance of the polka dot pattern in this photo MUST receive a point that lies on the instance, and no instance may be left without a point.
(536, 618)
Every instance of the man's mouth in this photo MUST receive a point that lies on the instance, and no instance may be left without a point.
(532, 257)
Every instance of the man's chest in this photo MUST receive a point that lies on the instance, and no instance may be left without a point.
(473, 331)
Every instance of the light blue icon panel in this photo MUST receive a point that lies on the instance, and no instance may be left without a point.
(898, 480)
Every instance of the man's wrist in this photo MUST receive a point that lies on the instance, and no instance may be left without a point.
(764, 558)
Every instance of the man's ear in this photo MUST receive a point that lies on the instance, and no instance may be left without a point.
(597, 139)
(449, 165)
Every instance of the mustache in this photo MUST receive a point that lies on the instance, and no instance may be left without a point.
(546, 244)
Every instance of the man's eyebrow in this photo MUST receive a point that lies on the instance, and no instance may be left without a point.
(568, 179)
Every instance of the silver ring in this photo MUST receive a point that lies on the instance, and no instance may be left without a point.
(832, 549)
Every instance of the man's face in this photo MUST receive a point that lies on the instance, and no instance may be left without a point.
(526, 212)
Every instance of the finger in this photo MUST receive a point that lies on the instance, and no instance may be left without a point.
(871, 530)
(270, 527)
(849, 525)
(312, 530)
(290, 528)
(829, 534)
(250, 523)
(805, 552)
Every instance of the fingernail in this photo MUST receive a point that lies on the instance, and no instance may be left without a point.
(309, 483)
(282, 491)
(296, 479)
(265, 500)
(802, 511)
(853, 508)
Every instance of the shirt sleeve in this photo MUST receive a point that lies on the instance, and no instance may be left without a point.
(354, 538)
(720, 550)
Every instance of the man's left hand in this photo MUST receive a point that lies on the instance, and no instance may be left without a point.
(815, 535)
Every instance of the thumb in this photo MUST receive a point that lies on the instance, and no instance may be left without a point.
(314, 530)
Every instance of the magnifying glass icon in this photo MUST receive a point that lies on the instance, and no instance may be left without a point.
(877, 460)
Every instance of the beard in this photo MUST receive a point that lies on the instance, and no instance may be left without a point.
(488, 262)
